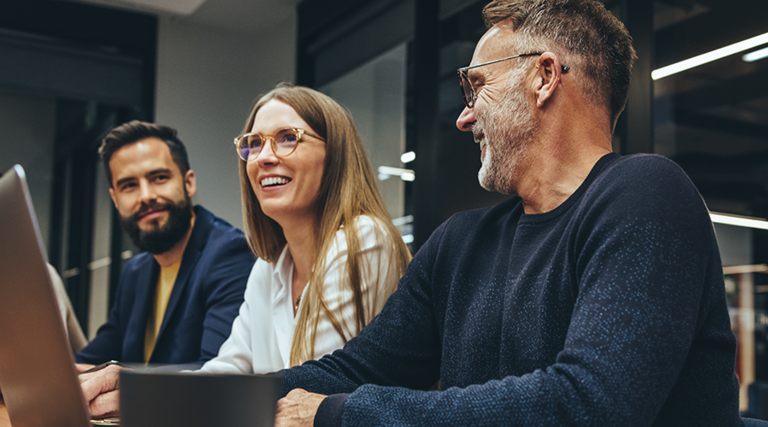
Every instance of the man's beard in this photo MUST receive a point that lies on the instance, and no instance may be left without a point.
(508, 129)
(160, 239)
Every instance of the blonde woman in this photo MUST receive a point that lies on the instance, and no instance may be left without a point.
(329, 254)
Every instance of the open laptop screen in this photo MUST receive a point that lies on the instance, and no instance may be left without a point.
(37, 372)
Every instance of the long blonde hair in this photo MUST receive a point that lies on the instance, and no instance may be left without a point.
(347, 190)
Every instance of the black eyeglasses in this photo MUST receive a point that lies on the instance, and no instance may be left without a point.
(466, 88)
(284, 142)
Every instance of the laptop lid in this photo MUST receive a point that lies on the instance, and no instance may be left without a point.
(37, 372)
(155, 399)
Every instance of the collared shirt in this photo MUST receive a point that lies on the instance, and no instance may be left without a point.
(262, 333)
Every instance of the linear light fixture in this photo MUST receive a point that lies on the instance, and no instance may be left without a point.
(176, 7)
(403, 220)
(739, 221)
(704, 58)
(408, 157)
(756, 55)
(404, 174)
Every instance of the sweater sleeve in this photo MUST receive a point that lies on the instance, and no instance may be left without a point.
(644, 256)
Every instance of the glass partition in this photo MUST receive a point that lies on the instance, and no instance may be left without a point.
(374, 94)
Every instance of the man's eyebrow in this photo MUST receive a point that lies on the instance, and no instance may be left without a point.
(159, 171)
(123, 181)
(149, 174)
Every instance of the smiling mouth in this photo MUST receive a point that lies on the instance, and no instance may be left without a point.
(479, 139)
(148, 213)
(274, 181)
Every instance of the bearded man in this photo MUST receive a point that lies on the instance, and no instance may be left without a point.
(176, 301)
(593, 297)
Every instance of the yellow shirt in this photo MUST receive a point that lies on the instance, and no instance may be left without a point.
(165, 282)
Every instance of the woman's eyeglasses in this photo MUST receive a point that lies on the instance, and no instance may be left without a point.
(284, 142)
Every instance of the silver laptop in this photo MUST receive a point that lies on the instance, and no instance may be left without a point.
(37, 373)
(38, 380)
(160, 399)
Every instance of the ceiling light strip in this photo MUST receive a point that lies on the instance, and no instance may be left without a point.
(408, 157)
(739, 221)
(404, 174)
(756, 55)
(714, 55)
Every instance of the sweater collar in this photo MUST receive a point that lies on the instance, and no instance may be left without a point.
(573, 198)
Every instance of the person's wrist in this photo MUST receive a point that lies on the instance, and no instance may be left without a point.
(330, 411)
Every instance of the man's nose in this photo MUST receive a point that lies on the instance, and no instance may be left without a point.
(146, 192)
(466, 120)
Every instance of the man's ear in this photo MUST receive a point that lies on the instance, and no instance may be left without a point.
(190, 182)
(547, 78)
(113, 195)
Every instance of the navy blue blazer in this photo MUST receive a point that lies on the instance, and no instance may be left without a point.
(205, 300)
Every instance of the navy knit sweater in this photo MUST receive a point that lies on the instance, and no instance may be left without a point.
(607, 311)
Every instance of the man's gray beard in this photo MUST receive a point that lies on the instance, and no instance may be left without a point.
(508, 129)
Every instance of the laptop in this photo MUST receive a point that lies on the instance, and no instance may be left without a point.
(160, 399)
(38, 379)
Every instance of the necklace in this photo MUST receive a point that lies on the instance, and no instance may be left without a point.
(296, 306)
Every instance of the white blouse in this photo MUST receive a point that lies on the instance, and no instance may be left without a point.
(262, 333)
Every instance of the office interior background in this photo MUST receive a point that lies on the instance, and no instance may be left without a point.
(72, 69)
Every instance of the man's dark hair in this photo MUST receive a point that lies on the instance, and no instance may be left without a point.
(593, 41)
(134, 131)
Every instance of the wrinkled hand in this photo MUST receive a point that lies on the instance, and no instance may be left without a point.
(101, 391)
(297, 409)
